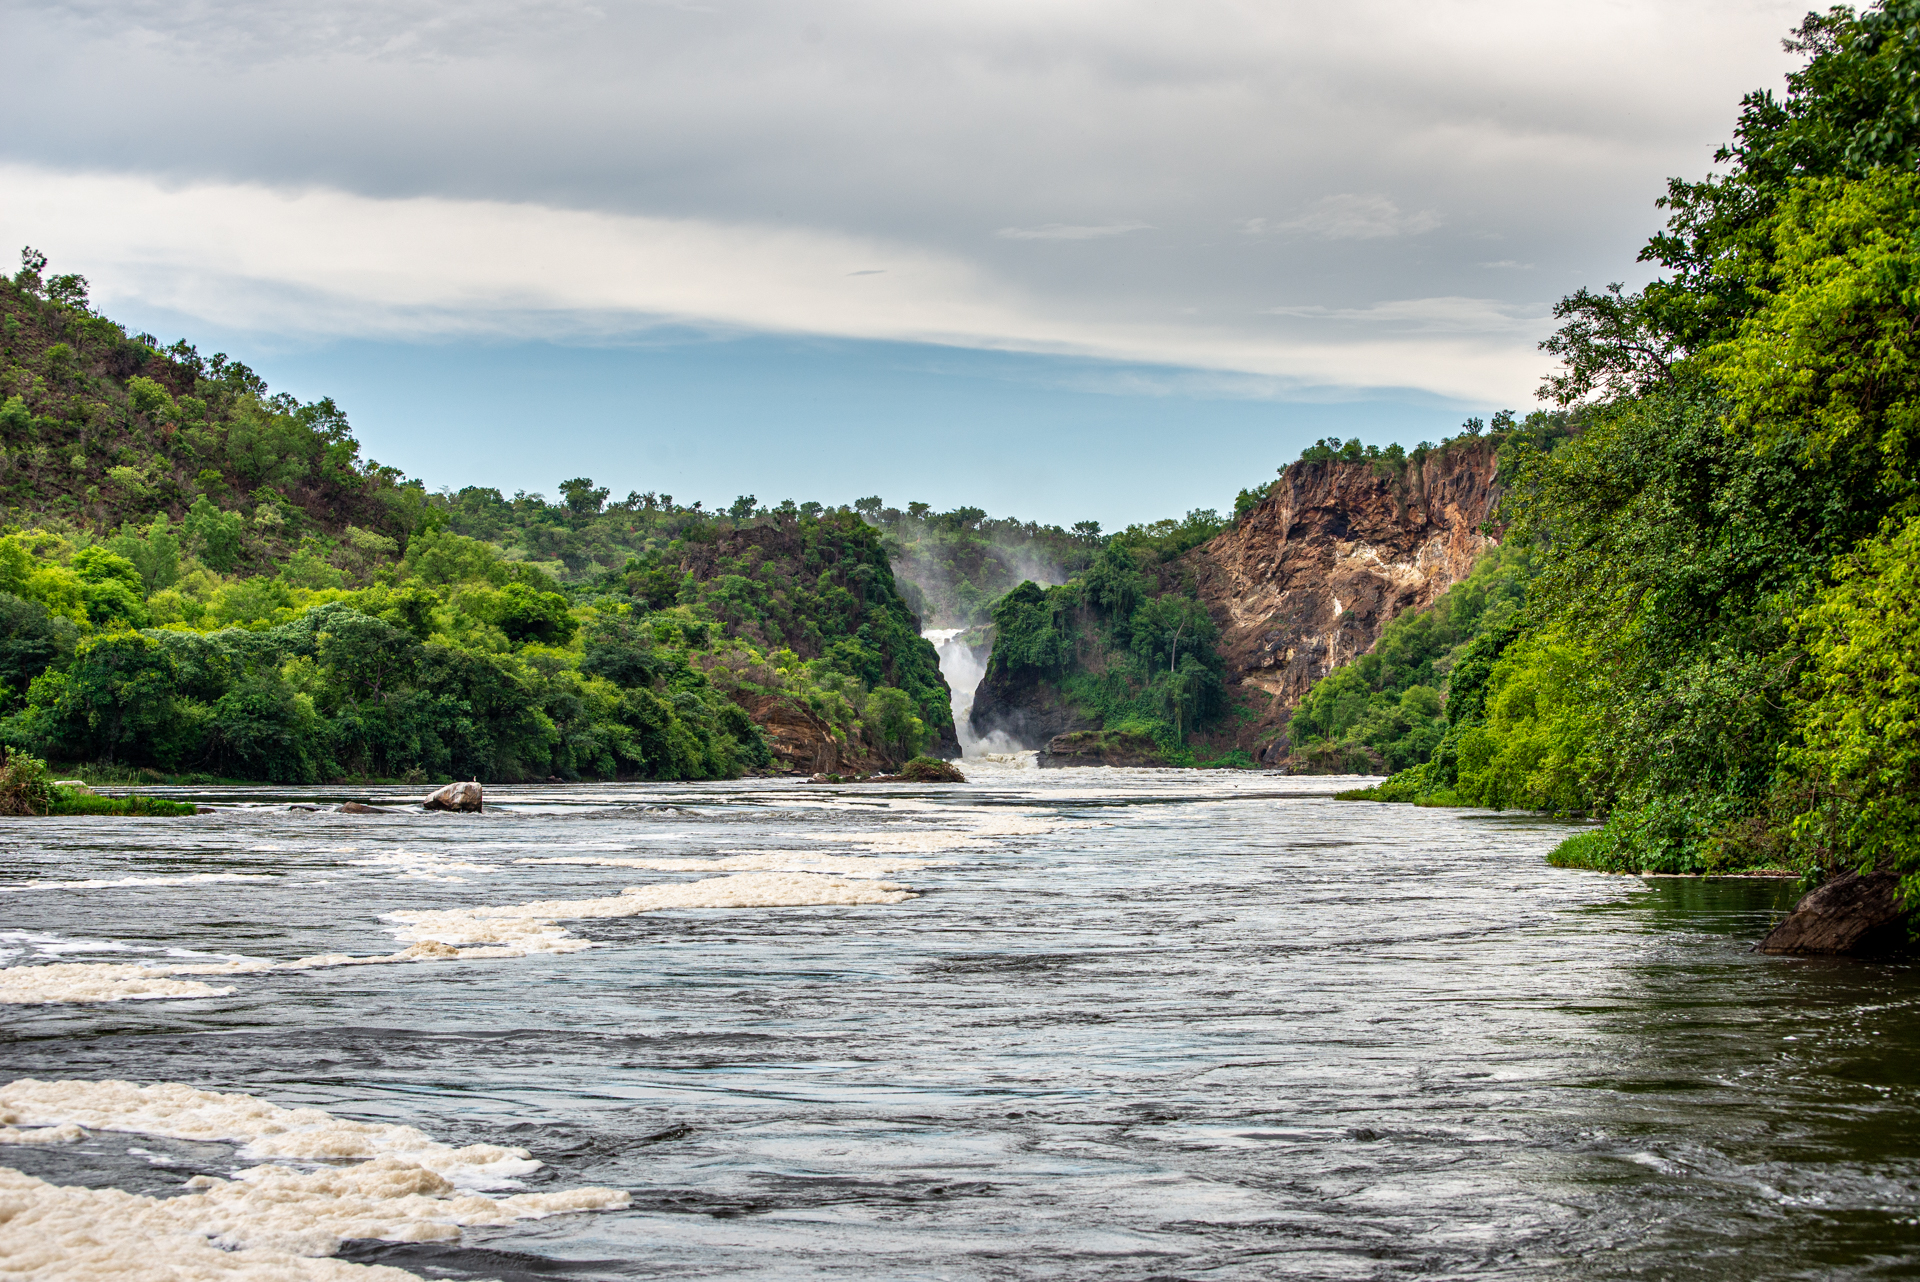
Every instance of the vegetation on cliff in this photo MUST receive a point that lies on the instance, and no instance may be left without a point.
(1716, 652)
(1126, 645)
(199, 577)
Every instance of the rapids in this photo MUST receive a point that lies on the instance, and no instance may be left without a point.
(1113, 1024)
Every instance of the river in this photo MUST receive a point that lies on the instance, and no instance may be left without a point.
(1133, 1025)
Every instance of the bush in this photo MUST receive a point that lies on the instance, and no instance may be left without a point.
(25, 787)
(931, 770)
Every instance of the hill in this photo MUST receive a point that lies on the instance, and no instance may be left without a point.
(200, 577)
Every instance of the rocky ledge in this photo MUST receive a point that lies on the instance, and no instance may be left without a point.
(1100, 748)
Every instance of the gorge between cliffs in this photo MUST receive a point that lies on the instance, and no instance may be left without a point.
(1301, 582)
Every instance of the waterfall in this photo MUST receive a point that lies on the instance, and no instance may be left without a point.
(963, 671)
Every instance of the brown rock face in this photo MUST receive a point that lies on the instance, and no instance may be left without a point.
(801, 741)
(1308, 579)
(1850, 916)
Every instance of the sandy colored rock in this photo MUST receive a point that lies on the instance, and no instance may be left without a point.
(801, 741)
(455, 796)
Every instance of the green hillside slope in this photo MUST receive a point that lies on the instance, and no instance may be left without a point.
(200, 577)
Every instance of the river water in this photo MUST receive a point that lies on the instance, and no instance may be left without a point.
(1137, 1025)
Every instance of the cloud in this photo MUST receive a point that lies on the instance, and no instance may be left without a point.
(325, 263)
(1348, 217)
(1429, 315)
(596, 168)
(1069, 231)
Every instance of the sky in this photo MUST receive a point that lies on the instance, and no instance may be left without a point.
(1059, 259)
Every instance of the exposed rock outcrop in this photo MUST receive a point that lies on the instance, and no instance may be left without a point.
(1028, 710)
(455, 796)
(801, 741)
(1850, 916)
(1101, 748)
(1302, 583)
(1307, 580)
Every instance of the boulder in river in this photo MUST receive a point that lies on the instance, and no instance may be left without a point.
(455, 796)
(1850, 916)
(362, 808)
(931, 770)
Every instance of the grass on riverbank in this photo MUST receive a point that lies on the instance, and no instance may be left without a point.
(1379, 793)
(72, 801)
(27, 788)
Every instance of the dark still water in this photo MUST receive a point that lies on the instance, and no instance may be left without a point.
(1137, 1025)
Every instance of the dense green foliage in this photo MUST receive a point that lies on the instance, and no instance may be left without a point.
(201, 578)
(1716, 653)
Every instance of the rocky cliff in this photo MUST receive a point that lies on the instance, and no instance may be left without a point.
(1307, 580)
(1299, 585)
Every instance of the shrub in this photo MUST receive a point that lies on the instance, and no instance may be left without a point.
(25, 788)
(931, 770)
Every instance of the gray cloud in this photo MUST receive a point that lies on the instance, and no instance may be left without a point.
(1348, 217)
(1373, 149)
(1069, 231)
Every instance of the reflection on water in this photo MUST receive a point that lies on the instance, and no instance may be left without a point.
(1137, 1024)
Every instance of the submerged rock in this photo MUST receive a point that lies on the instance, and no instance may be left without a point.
(362, 808)
(1850, 916)
(455, 796)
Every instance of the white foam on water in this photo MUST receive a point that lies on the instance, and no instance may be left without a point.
(54, 1234)
(96, 982)
(264, 1130)
(482, 933)
(422, 865)
(66, 1133)
(40, 945)
(103, 884)
(272, 1223)
(535, 927)
(781, 860)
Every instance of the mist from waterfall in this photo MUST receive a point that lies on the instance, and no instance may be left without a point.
(964, 668)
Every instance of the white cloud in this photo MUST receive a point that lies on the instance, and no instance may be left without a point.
(1348, 217)
(582, 168)
(321, 262)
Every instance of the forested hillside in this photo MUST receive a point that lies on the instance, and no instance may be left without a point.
(200, 577)
(1125, 645)
(1718, 650)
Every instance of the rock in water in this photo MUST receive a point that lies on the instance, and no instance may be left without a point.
(362, 808)
(1850, 916)
(455, 796)
(1101, 748)
(931, 770)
